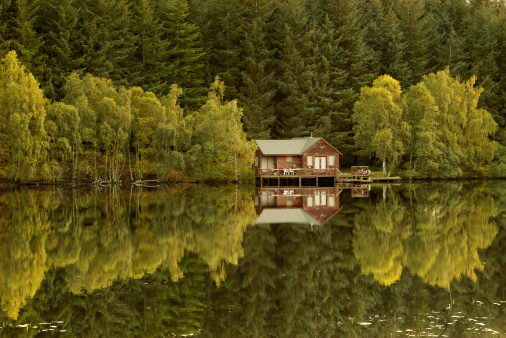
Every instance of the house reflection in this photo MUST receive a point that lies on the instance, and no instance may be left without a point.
(314, 206)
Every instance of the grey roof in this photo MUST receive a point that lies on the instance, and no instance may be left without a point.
(294, 215)
(295, 146)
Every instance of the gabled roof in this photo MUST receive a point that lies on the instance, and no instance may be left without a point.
(295, 146)
(292, 215)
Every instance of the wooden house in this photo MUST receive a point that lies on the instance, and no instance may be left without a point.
(298, 157)
(313, 206)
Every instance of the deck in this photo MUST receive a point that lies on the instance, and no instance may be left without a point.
(311, 177)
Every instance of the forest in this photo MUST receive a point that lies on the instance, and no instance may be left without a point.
(177, 89)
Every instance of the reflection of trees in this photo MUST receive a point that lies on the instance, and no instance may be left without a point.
(99, 237)
(379, 237)
(24, 226)
(449, 225)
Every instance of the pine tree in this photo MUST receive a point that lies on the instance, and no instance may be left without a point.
(226, 32)
(350, 66)
(4, 27)
(183, 59)
(393, 60)
(58, 24)
(24, 38)
(257, 91)
(107, 44)
(413, 22)
(482, 43)
(446, 19)
(295, 72)
(150, 46)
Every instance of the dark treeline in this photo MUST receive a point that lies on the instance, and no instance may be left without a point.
(295, 67)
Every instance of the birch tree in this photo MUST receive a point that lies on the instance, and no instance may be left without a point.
(23, 139)
(379, 128)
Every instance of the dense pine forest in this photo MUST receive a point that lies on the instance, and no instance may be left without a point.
(177, 89)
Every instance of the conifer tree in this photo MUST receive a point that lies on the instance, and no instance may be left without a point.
(24, 37)
(447, 38)
(4, 27)
(225, 35)
(58, 23)
(150, 47)
(351, 66)
(107, 44)
(257, 91)
(481, 39)
(183, 58)
(393, 59)
(295, 72)
(413, 22)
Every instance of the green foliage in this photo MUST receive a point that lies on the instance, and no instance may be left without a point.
(106, 44)
(220, 150)
(379, 128)
(105, 117)
(60, 37)
(463, 129)
(183, 56)
(63, 127)
(23, 138)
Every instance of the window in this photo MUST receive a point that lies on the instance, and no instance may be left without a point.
(256, 161)
(332, 160)
(310, 161)
(332, 201)
(310, 201)
(289, 203)
(289, 159)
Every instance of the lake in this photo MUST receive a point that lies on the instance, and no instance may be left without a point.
(423, 259)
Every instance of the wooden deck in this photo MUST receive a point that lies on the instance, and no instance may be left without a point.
(304, 177)
(309, 177)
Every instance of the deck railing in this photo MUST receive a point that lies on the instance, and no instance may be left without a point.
(298, 172)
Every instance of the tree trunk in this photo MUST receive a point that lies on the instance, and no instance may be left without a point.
(235, 158)
(384, 166)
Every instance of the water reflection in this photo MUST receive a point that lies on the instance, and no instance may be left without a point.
(99, 237)
(420, 259)
(313, 206)
(434, 233)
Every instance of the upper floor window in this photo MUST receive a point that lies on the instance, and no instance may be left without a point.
(332, 160)
(256, 161)
(289, 159)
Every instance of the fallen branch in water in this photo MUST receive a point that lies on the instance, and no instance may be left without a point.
(146, 183)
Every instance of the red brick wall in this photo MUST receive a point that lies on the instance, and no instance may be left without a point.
(283, 164)
(321, 148)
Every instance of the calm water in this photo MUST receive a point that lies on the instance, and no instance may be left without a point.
(423, 259)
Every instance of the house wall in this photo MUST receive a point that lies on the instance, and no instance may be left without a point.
(284, 164)
(321, 148)
(280, 162)
(289, 202)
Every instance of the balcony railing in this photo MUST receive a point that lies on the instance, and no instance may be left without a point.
(298, 172)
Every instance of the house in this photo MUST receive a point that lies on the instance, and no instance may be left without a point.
(313, 206)
(311, 157)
